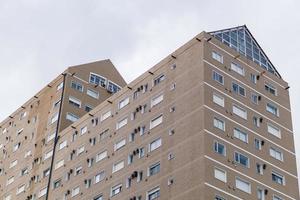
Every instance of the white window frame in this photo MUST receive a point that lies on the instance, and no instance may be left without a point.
(101, 156)
(157, 99)
(92, 93)
(105, 115)
(123, 103)
(155, 144)
(274, 130)
(75, 191)
(118, 145)
(217, 56)
(218, 99)
(237, 68)
(75, 101)
(275, 153)
(118, 166)
(220, 174)
(156, 121)
(248, 190)
(241, 135)
(239, 111)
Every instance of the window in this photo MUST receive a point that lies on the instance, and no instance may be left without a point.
(54, 118)
(218, 100)
(259, 168)
(271, 89)
(105, 115)
(104, 134)
(141, 152)
(238, 69)
(75, 102)
(92, 93)
(236, 88)
(101, 156)
(71, 117)
(254, 98)
(253, 78)
(60, 86)
(243, 185)
(241, 159)
(220, 148)
(112, 87)
(20, 189)
(48, 155)
(218, 77)
(276, 198)
(121, 123)
(240, 135)
(13, 163)
(220, 174)
(217, 197)
(118, 166)
(97, 80)
(10, 180)
(80, 150)
(62, 144)
(154, 169)
(260, 194)
(156, 121)
(98, 197)
(42, 192)
(239, 111)
(272, 109)
(24, 171)
(123, 103)
(274, 130)
(75, 191)
(155, 144)
(16, 147)
(158, 79)
(116, 190)
(51, 136)
(99, 177)
(56, 103)
(257, 144)
(88, 108)
(7, 197)
(119, 144)
(77, 86)
(83, 130)
(156, 100)
(153, 194)
(276, 154)
(57, 183)
(218, 57)
(278, 178)
(59, 164)
(219, 124)
(23, 115)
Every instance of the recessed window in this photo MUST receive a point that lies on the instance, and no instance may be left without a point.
(256, 121)
(48, 155)
(276, 198)
(236, 88)
(274, 130)
(60, 86)
(54, 118)
(254, 98)
(278, 178)
(243, 185)
(253, 78)
(241, 159)
(7, 197)
(116, 190)
(121, 123)
(10, 180)
(13, 163)
(92, 93)
(153, 194)
(105, 115)
(72, 117)
(239, 111)
(99, 177)
(271, 108)
(123, 103)
(88, 108)
(259, 168)
(154, 169)
(158, 79)
(75, 191)
(97, 79)
(238, 69)
(59, 164)
(156, 121)
(241, 135)
(75, 102)
(118, 145)
(77, 86)
(20, 189)
(155, 144)
(220, 174)
(217, 56)
(51, 136)
(98, 197)
(276, 154)
(271, 89)
(80, 150)
(42, 192)
(220, 148)
(118, 166)
(220, 124)
(101, 156)
(62, 145)
(257, 144)
(156, 100)
(217, 197)
(218, 99)
(218, 77)
(112, 87)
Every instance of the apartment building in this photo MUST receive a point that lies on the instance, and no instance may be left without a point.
(27, 138)
(210, 121)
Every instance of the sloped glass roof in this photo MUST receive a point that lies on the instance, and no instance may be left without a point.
(240, 39)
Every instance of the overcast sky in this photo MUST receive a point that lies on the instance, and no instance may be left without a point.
(40, 38)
